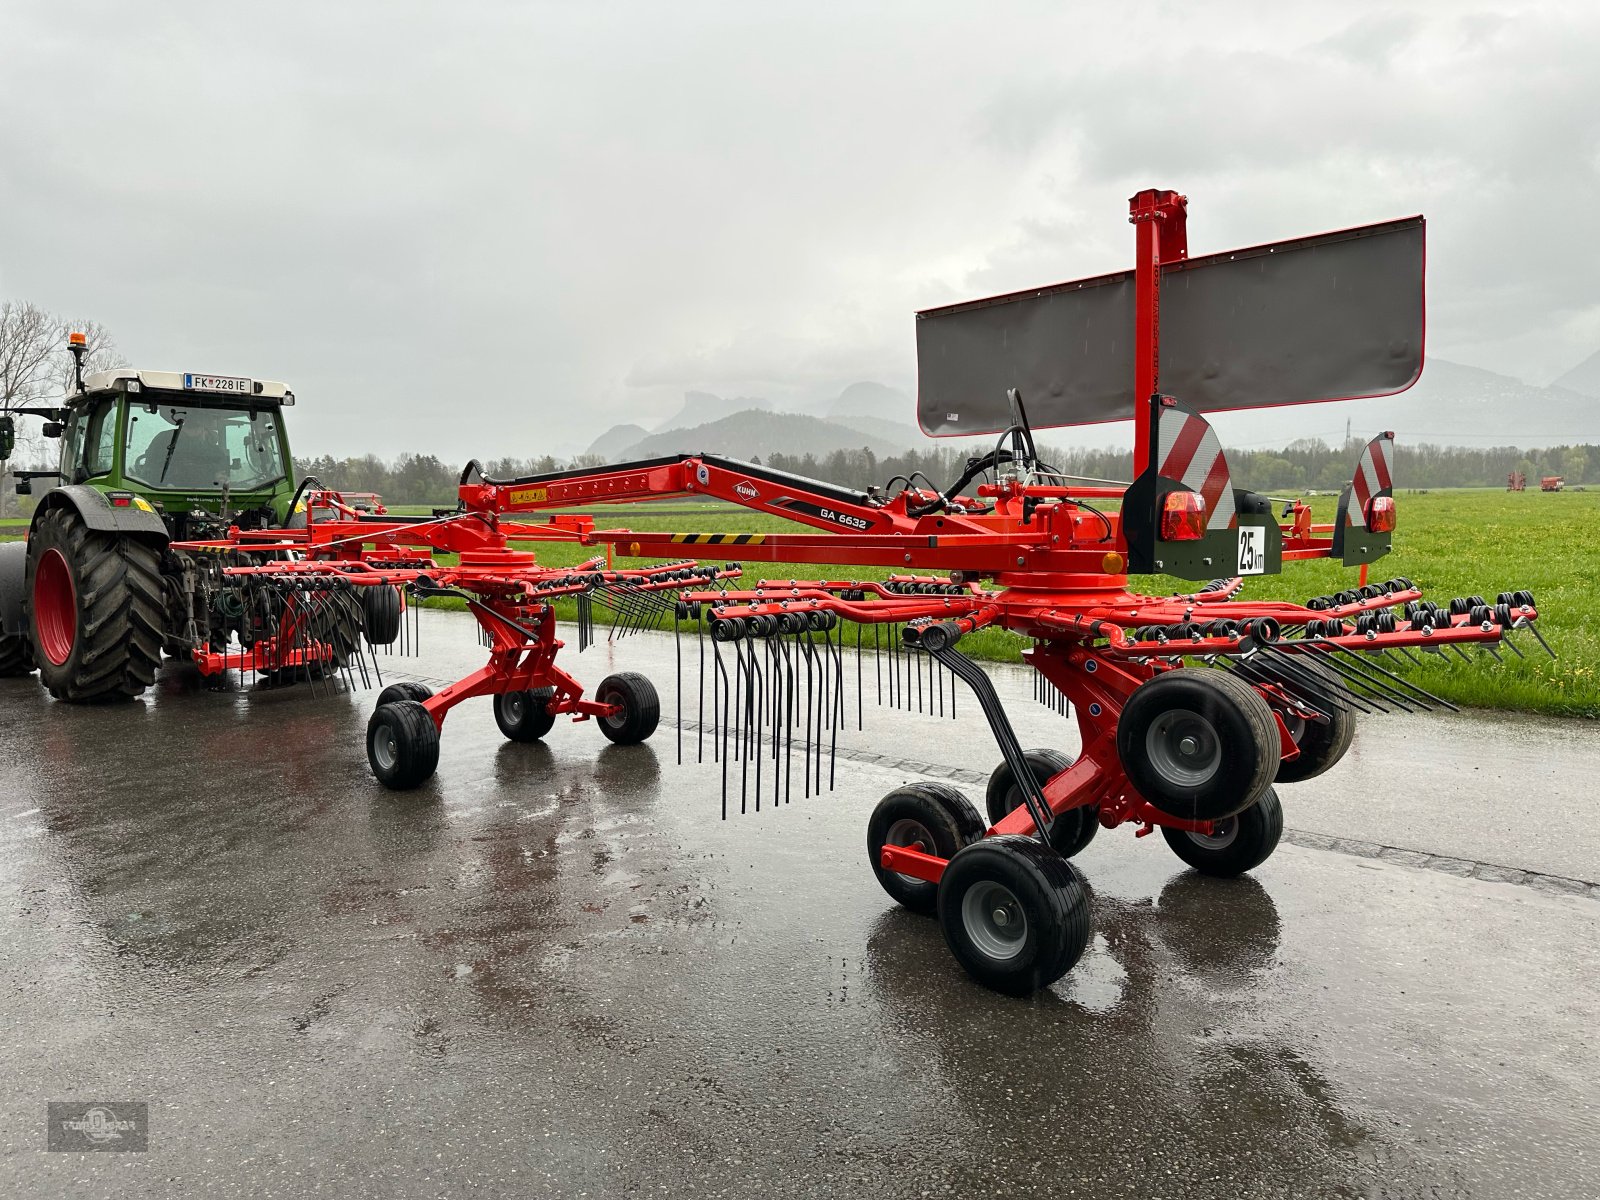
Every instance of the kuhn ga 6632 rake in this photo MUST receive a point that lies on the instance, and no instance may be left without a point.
(1191, 707)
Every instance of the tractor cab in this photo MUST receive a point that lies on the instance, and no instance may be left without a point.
(204, 451)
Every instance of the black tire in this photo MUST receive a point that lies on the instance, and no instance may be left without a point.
(932, 817)
(1239, 843)
(16, 655)
(524, 716)
(381, 609)
(103, 608)
(1014, 913)
(1072, 830)
(402, 745)
(1198, 744)
(403, 691)
(1321, 745)
(641, 707)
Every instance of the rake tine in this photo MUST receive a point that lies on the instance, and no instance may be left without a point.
(1308, 684)
(1505, 640)
(677, 650)
(877, 658)
(788, 721)
(1362, 689)
(700, 710)
(1524, 623)
(860, 718)
(1300, 691)
(1425, 696)
(1491, 651)
(1255, 678)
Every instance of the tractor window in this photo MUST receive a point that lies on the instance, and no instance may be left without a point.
(100, 439)
(200, 449)
(89, 442)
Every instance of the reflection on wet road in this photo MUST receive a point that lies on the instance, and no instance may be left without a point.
(554, 971)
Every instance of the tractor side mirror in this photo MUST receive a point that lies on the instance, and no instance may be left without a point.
(24, 486)
(53, 429)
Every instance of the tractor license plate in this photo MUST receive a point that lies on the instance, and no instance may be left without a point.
(218, 383)
(1252, 550)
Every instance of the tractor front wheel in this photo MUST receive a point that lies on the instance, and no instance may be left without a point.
(96, 609)
(402, 745)
(638, 707)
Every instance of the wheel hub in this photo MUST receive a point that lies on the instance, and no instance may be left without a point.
(913, 835)
(55, 606)
(994, 920)
(384, 748)
(1183, 746)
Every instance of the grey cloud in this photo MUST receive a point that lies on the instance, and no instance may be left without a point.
(497, 227)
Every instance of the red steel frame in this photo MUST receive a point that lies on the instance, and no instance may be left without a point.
(1054, 570)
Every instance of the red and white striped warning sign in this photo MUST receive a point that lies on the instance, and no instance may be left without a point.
(1189, 453)
(1371, 477)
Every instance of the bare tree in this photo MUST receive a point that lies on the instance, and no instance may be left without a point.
(30, 340)
(102, 353)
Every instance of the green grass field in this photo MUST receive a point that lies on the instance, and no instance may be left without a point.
(1451, 542)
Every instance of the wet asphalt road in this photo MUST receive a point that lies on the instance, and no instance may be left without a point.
(555, 971)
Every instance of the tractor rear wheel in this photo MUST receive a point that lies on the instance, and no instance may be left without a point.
(1235, 844)
(524, 716)
(402, 745)
(639, 708)
(96, 609)
(934, 818)
(1072, 830)
(1014, 913)
(16, 655)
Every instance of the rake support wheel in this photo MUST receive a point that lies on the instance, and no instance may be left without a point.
(96, 609)
(402, 744)
(1236, 844)
(406, 690)
(1321, 745)
(524, 716)
(640, 707)
(1072, 830)
(1198, 744)
(1014, 913)
(934, 818)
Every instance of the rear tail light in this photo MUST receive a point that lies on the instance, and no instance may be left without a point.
(1183, 517)
(1380, 514)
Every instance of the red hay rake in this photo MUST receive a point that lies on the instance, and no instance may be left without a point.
(1190, 707)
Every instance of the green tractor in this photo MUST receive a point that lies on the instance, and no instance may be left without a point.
(97, 593)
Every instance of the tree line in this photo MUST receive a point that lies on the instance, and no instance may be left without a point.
(1307, 465)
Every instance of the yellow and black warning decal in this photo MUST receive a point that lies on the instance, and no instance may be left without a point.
(720, 539)
(529, 495)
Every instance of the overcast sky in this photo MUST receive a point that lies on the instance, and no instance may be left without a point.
(498, 228)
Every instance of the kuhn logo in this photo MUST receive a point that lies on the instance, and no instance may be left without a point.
(746, 490)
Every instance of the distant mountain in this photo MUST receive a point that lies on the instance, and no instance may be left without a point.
(702, 408)
(876, 400)
(1451, 405)
(757, 432)
(1583, 378)
(614, 442)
